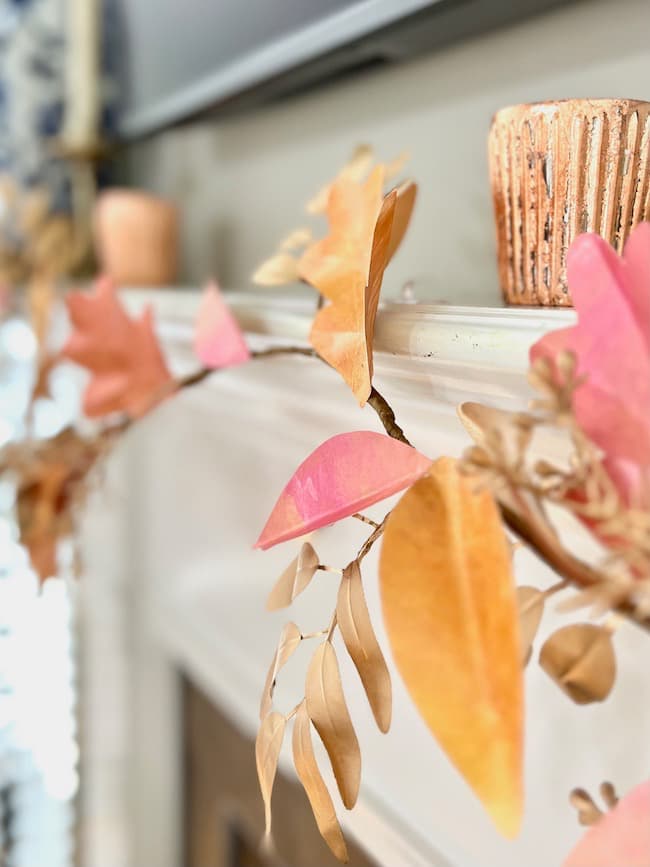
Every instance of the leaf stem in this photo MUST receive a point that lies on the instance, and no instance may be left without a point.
(365, 519)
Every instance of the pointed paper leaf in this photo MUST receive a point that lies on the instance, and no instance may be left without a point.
(347, 268)
(621, 838)
(316, 790)
(218, 341)
(329, 713)
(267, 752)
(290, 638)
(128, 372)
(297, 240)
(580, 659)
(344, 475)
(450, 610)
(530, 602)
(355, 169)
(279, 269)
(361, 643)
(294, 579)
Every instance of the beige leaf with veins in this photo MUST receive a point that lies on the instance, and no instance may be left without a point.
(290, 638)
(530, 603)
(580, 659)
(267, 752)
(329, 713)
(294, 579)
(312, 781)
(361, 643)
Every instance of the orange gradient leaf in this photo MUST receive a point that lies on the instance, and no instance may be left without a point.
(128, 371)
(347, 268)
(345, 474)
(450, 609)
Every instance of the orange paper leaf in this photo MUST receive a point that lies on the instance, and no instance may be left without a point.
(347, 267)
(450, 608)
(123, 355)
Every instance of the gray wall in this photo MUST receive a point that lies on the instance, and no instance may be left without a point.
(241, 182)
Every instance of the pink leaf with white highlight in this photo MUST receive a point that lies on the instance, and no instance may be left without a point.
(345, 474)
(621, 838)
(612, 344)
(218, 341)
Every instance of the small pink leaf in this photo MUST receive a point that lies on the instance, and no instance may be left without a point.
(621, 838)
(218, 341)
(345, 474)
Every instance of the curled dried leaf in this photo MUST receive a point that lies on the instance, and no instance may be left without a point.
(329, 713)
(530, 602)
(267, 753)
(290, 638)
(294, 579)
(361, 643)
(580, 659)
(312, 781)
(277, 270)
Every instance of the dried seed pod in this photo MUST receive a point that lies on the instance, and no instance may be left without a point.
(580, 659)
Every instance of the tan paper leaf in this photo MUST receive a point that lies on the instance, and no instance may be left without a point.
(450, 610)
(290, 638)
(329, 713)
(312, 781)
(294, 579)
(297, 239)
(279, 269)
(267, 752)
(355, 169)
(580, 659)
(530, 602)
(405, 202)
(361, 643)
(485, 425)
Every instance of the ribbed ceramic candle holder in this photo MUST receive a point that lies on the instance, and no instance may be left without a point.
(558, 169)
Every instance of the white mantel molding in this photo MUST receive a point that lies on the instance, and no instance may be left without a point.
(180, 588)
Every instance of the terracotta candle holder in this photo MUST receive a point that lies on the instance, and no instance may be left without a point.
(136, 238)
(558, 169)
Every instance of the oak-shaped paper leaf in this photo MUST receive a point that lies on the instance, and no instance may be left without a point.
(267, 753)
(290, 639)
(450, 610)
(347, 268)
(218, 340)
(621, 838)
(329, 713)
(294, 579)
(530, 602)
(312, 781)
(128, 371)
(362, 645)
(344, 475)
(580, 659)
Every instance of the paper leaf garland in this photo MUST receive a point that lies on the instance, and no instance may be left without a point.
(128, 371)
(347, 268)
(342, 476)
(621, 838)
(450, 610)
(218, 341)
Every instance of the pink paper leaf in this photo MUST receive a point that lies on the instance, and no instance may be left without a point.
(345, 474)
(612, 344)
(218, 340)
(621, 838)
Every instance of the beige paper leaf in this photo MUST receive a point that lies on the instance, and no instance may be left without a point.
(312, 781)
(355, 169)
(530, 603)
(485, 425)
(329, 713)
(290, 638)
(267, 752)
(277, 270)
(580, 659)
(361, 643)
(296, 240)
(294, 579)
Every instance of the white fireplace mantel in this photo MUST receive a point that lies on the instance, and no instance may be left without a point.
(172, 583)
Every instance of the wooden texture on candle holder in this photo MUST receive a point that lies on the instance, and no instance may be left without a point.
(559, 169)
